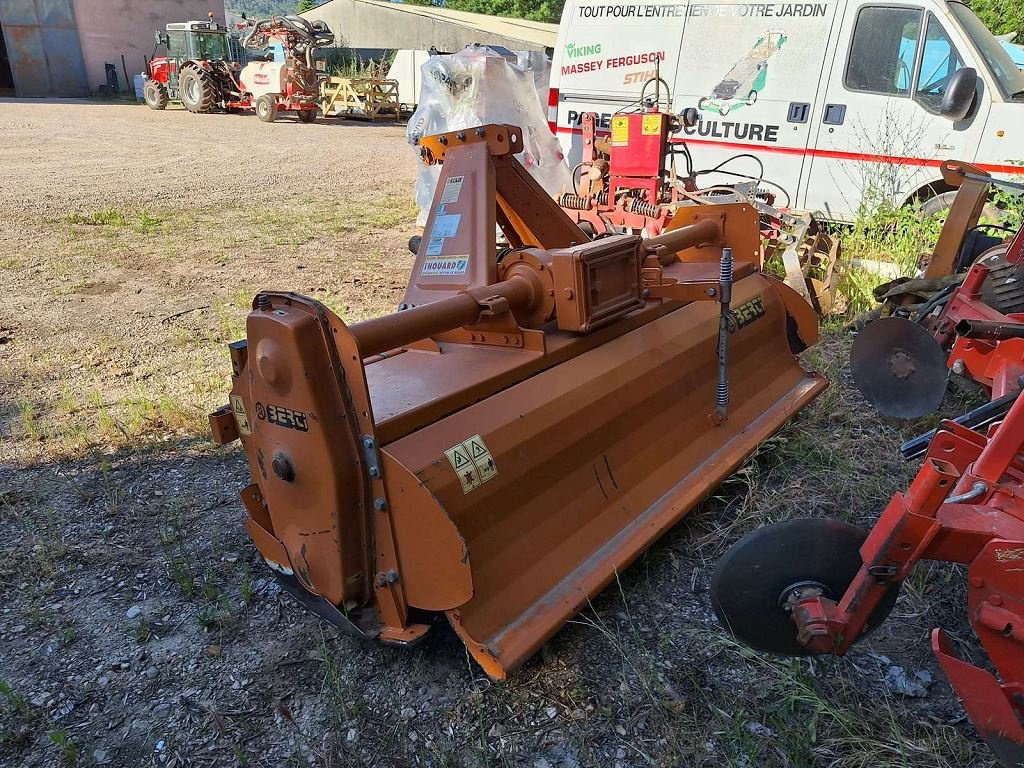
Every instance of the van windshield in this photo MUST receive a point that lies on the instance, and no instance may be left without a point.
(1009, 78)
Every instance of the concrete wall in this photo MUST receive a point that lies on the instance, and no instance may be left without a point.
(109, 28)
(363, 25)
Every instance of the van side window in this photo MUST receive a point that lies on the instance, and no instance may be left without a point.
(883, 50)
(939, 60)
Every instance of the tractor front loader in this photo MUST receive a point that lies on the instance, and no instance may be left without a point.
(525, 426)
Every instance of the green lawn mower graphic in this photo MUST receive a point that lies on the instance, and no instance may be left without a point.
(746, 79)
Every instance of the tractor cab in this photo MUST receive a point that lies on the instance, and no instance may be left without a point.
(205, 40)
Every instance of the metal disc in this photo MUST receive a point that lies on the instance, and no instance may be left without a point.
(899, 368)
(760, 567)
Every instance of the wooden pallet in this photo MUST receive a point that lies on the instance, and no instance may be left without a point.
(361, 99)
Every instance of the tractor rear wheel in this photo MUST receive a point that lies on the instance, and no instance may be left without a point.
(307, 116)
(198, 93)
(155, 94)
(266, 108)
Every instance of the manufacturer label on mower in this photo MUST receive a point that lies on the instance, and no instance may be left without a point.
(445, 266)
(452, 189)
(472, 462)
(282, 417)
(745, 314)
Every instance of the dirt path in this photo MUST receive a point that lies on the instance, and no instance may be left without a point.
(137, 625)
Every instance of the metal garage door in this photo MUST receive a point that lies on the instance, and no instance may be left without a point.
(43, 48)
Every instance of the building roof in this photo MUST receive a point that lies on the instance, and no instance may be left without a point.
(536, 32)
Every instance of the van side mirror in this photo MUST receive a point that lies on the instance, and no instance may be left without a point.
(958, 97)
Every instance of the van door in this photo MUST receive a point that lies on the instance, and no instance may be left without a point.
(880, 136)
(754, 73)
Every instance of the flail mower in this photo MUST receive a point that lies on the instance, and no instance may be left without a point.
(628, 182)
(817, 586)
(527, 423)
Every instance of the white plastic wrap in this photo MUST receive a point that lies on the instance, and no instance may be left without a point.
(477, 86)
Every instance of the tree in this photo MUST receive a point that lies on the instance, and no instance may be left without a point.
(306, 5)
(535, 10)
(1001, 16)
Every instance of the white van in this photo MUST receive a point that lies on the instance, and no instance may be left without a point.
(841, 102)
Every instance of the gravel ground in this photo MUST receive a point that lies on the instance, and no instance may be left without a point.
(96, 154)
(137, 626)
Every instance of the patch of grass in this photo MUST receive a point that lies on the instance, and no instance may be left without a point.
(140, 221)
(66, 746)
(14, 701)
(246, 588)
(105, 217)
(178, 555)
(30, 419)
(890, 237)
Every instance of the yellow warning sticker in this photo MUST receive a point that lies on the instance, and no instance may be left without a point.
(241, 419)
(472, 462)
(620, 130)
(651, 125)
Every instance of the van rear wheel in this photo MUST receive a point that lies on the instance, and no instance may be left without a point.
(939, 206)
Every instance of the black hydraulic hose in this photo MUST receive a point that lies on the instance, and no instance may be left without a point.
(975, 419)
(934, 301)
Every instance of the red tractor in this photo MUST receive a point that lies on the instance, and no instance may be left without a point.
(196, 70)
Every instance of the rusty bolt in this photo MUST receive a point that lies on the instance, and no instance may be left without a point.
(263, 302)
(645, 293)
(481, 132)
(461, 135)
(443, 140)
(977, 582)
(380, 504)
(995, 599)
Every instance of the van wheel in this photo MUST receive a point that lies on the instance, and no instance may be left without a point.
(938, 207)
(752, 98)
(724, 109)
